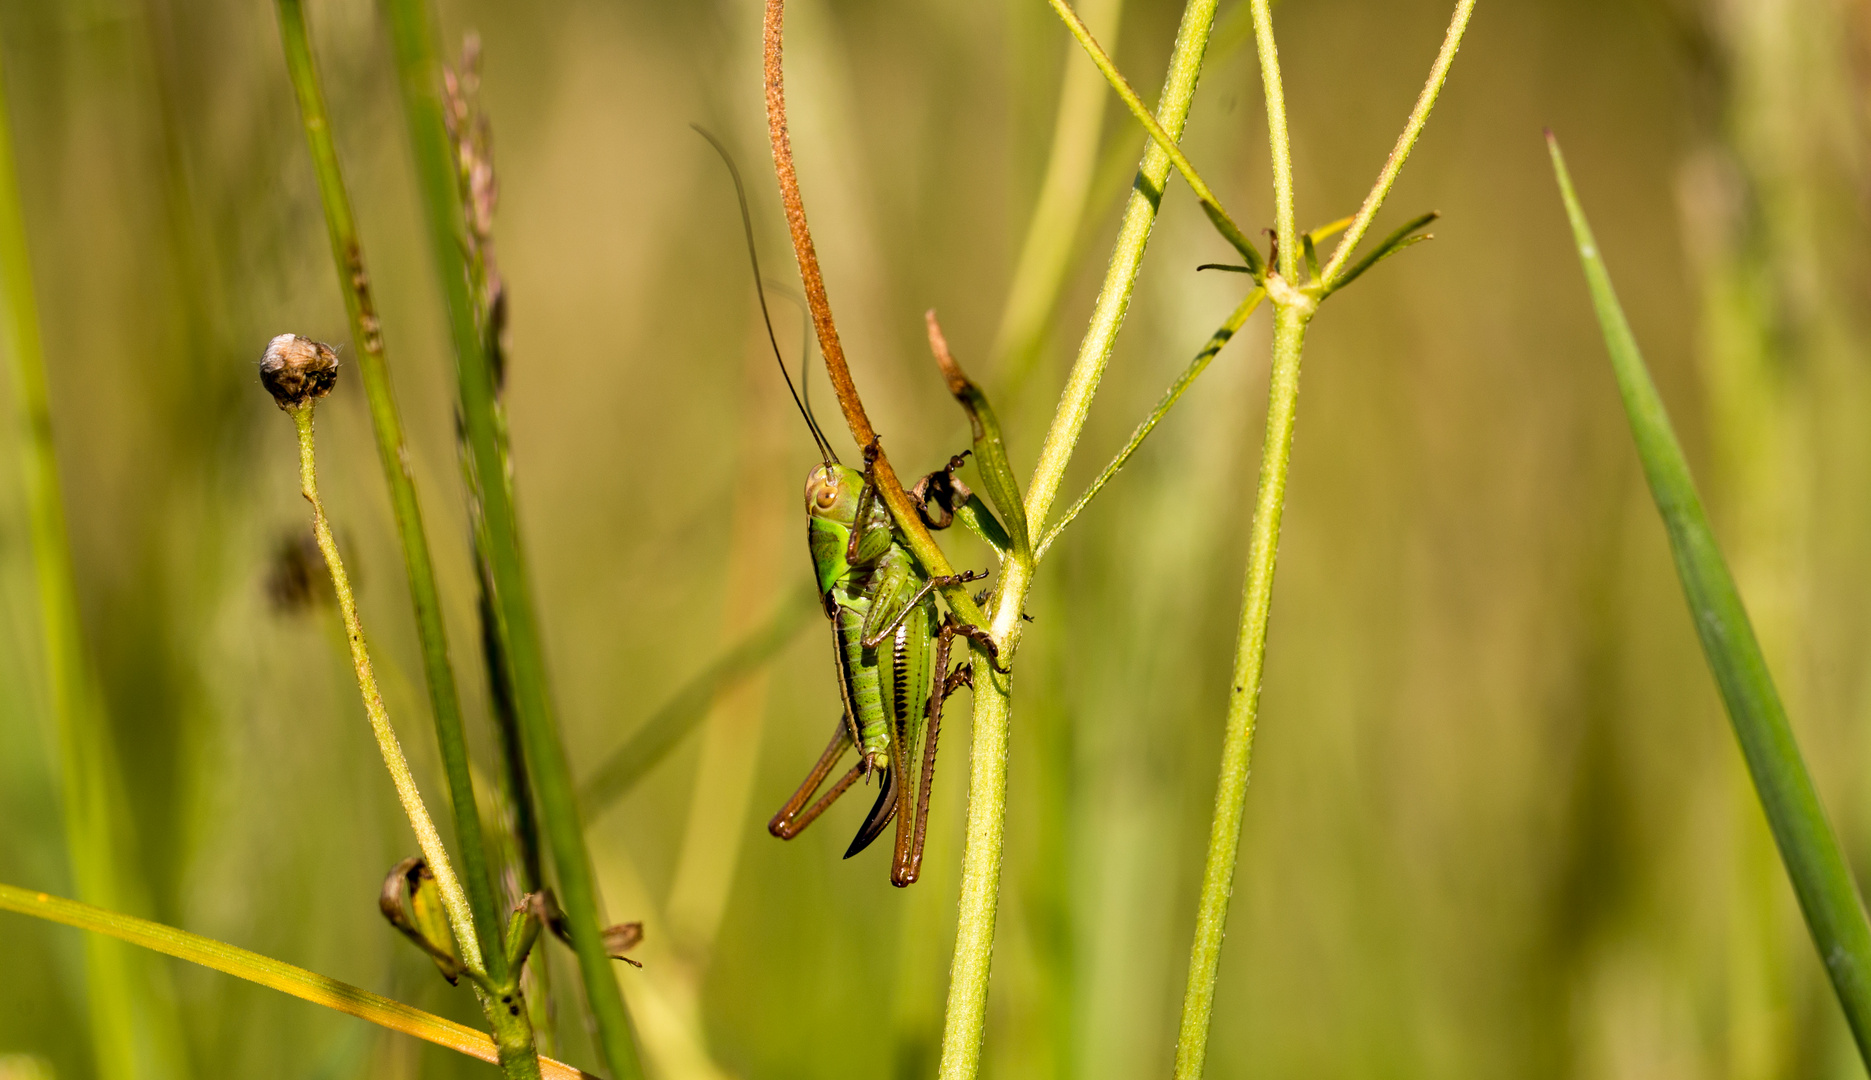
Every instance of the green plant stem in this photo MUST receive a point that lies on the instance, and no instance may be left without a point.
(427, 839)
(1163, 135)
(1280, 143)
(1412, 128)
(1120, 279)
(965, 1019)
(413, 32)
(1224, 838)
(1216, 342)
(268, 972)
(354, 283)
(1821, 878)
(87, 764)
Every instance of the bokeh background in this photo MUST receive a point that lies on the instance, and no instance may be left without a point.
(1498, 825)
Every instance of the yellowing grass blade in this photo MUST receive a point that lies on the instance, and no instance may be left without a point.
(268, 972)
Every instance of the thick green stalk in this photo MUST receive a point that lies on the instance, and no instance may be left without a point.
(1821, 878)
(966, 1017)
(414, 34)
(1120, 279)
(266, 971)
(1224, 838)
(353, 282)
(87, 763)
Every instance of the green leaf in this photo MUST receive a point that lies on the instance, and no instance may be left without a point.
(1391, 244)
(1828, 896)
(990, 452)
(268, 972)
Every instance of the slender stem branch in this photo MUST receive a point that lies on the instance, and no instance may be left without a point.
(1120, 279)
(460, 919)
(1216, 342)
(268, 972)
(888, 485)
(1224, 838)
(413, 33)
(966, 1018)
(348, 256)
(1438, 74)
(1280, 144)
(1159, 134)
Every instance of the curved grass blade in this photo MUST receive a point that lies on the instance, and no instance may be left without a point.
(657, 736)
(268, 972)
(1821, 878)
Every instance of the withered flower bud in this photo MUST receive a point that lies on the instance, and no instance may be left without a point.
(297, 370)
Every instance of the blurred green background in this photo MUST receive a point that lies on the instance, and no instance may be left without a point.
(1498, 825)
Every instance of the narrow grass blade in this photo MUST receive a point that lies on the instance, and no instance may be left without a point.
(88, 768)
(414, 34)
(665, 729)
(1392, 244)
(268, 972)
(1224, 334)
(354, 283)
(1822, 880)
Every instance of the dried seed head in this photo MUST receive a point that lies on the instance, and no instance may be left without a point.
(297, 370)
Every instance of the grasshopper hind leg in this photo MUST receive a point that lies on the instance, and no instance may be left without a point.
(796, 814)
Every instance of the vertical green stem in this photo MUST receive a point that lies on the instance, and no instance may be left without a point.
(1280, 142)
(966, 1017)
(1289, 335)
(1120, 278)
(427, 838)
(348, 255)
(414, 34)
(85, 752)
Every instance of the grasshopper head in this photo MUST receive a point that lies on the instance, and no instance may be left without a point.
(832, 493)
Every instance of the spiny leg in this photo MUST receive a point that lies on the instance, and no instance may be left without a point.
(790, 822)
(982, 638)
(907, 866)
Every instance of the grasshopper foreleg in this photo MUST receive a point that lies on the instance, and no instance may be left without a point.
(796, 815)
(939, 494)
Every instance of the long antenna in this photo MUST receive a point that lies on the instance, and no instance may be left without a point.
(753, 256)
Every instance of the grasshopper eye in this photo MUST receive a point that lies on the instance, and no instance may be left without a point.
(821, 490)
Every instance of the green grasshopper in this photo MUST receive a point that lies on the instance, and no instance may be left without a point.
(890, 646)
